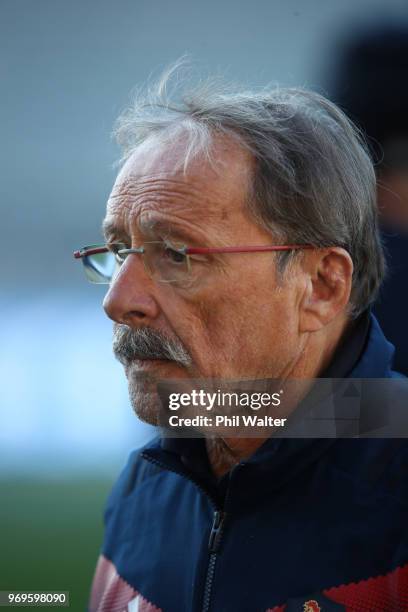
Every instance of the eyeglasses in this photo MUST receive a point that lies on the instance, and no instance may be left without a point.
(163, 261)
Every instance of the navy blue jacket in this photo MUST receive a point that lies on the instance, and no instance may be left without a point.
(303, 524)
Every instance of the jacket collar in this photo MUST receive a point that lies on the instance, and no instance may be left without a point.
(376, 359)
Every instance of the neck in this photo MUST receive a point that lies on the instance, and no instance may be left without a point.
(316, 353)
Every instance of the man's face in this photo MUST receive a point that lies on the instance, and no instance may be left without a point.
(235, 320)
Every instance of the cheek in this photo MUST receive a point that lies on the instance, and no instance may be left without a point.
(238, 330)
(254, 331)
(207, 323)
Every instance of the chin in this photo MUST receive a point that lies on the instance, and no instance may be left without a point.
(143, 388)
(143, 395)
(146, 407)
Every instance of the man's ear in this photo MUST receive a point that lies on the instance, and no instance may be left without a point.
(328, 276)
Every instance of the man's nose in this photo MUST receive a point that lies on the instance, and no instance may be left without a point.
(130, 299)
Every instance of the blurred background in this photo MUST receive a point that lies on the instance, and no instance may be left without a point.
(67, 70)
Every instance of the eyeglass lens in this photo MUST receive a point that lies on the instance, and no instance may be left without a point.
(162, 261)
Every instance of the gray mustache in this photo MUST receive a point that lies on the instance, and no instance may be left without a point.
(146, 343)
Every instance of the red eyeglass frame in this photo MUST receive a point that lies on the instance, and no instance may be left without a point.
(204, 250)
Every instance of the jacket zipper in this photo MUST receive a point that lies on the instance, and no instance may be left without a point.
(215, 534)
(213, 547)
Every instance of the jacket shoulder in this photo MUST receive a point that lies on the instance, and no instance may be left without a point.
(135, 472)
(379, 465)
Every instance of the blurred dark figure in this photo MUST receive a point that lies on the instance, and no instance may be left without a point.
(370, 83)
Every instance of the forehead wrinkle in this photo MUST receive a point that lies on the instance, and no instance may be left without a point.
(152, 189)
(134, 182)
(170, 201)
(167, 186)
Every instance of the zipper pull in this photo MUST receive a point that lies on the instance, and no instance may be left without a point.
(216, 530)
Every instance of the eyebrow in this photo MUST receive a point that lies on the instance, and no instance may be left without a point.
(167, 229)
(111, 229)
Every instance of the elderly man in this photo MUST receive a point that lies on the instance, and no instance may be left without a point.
(242, 244)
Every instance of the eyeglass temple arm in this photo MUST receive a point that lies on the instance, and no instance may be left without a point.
(245, 249)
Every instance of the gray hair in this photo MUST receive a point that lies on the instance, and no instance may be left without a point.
(313, 183)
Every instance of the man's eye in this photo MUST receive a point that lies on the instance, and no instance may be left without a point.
(120, 258)
(115, 248)
(173, 255)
